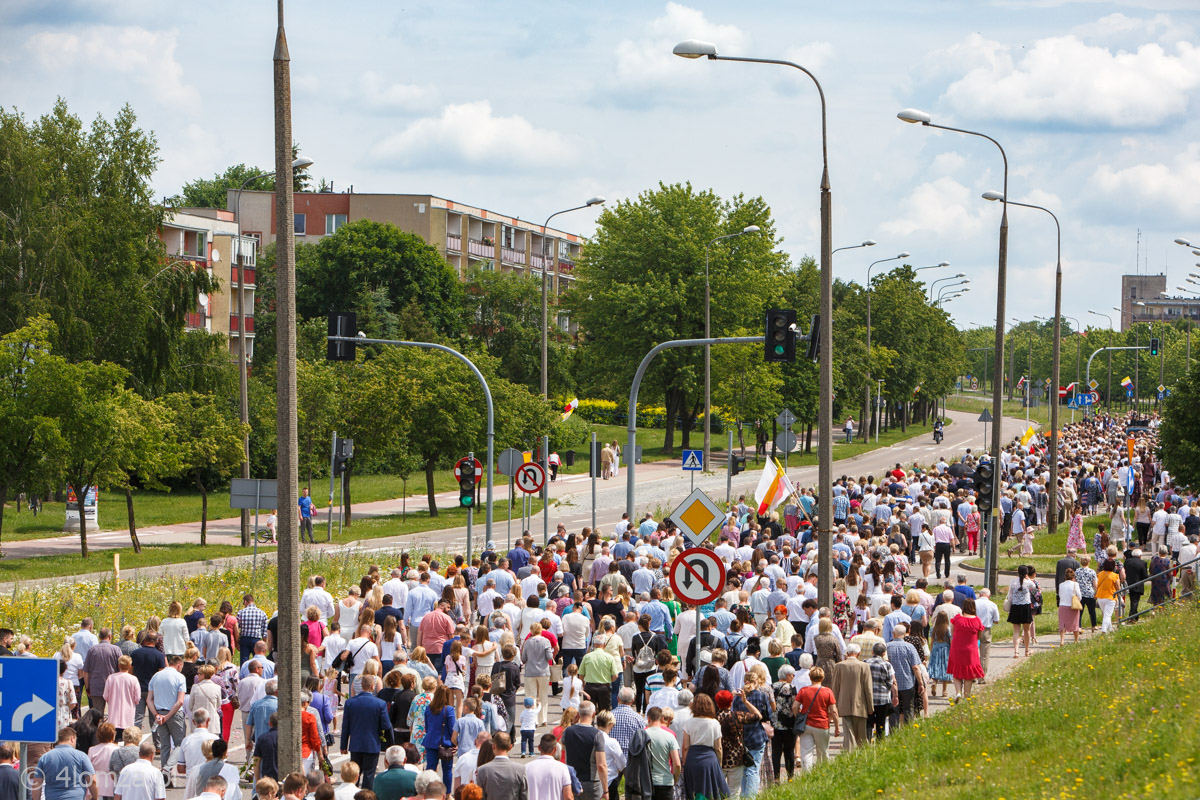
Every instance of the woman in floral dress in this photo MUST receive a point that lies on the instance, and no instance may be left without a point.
(416, 712)
(1075, 539)
(843, 611)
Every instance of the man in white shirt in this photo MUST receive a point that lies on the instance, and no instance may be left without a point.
(253, 687)
(512, 611)
(397, 588)
(725, 551)
(191, 751)
(530, 583)
(317, 596)
(488, 598)
(362, 649)
(140, 780)
(84, 638)
(573, 644)
(546, 776)
(989, 615)
(1158, 529)
(737, 675)
(464, 764)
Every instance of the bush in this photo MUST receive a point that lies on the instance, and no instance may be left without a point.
(607, 412)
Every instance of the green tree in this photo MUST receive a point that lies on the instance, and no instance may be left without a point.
(641, 282)
(79, 242)
(744, 385)
(147, 454)
(384, 273)
(95, 412)
(214, 192)
(1179, 435)
(209, 443)
(318, 392)
(29, 428)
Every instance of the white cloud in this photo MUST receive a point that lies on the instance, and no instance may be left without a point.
(947, 163)
(647, 61)
(381, 95)
(941, 207)
(142, 56)
(469, 134)
(1160, 189)
(1062, 79)
(813, 56)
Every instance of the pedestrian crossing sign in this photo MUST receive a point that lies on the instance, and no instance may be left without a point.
(693, 460)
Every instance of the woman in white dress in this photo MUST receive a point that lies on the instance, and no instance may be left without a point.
(348, 608)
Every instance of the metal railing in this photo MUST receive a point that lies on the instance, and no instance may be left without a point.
(1129, 586)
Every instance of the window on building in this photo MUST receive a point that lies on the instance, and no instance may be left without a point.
(201, 249)
(508, 238)
(333, 222)
(298, 224)
(564, 249)
(1133, 292)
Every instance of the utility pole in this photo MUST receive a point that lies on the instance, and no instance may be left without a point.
(288, 557)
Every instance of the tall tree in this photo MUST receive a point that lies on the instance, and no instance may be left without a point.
(214, 192)
(79, 240)
(641, 282)
(209, 442)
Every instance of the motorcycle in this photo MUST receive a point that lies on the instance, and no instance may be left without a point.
(937, 435)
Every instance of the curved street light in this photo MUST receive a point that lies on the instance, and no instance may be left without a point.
(942, 280)
(693, 48)
(868, 416)
(591, 201)
(914, 116)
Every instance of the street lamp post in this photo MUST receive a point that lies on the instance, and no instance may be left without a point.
(708, 348)
(955, 294)
(594, 201)
(940, 280)
(697, 49)
(993, 539)
(1052, 524)
(869, 417)
(950, 287)
(1108, 391)
(243, 378)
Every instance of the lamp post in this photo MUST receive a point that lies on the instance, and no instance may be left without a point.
(957, 294)
(869, 417)
(708, 348)
(940, 280)
(950, 287)
(697, 49)
(1108, 391)
(933, 266)
(1052, 525)
(593, 201)
(243, 391)
(914, 116)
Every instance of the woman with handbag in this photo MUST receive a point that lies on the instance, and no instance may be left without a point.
(439, 724)
(1070, 603)
(815, 709)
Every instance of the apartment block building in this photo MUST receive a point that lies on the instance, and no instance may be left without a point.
(467, 236)
(1145, 298)
(207, 238)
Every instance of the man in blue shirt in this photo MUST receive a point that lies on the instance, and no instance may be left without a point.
(421, 601)
(518, 557)
(306, 515)
(904, 659)
(64, 773)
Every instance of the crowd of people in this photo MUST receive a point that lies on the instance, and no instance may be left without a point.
(570, 669)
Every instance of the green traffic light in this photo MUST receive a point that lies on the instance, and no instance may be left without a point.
(466, 501)
(778, 349)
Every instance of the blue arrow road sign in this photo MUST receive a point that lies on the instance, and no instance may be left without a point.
(28, 694)
(693, 460)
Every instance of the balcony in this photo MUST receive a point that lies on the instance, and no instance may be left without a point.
(195, 321)
(453, 243)
(565, 267)
(233, 277)
(233, 324)
(536, 261)
(480, 248)
(510, 256)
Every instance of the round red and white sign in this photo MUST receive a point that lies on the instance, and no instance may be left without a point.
(530, 477)
(697, 576)
(462, 464)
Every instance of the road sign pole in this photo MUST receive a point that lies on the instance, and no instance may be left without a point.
(592, 471)
(471, 466)
(696, 671)
(329, 522)
(545, 492)
(510, 505)
(254, 563)
(729, 471)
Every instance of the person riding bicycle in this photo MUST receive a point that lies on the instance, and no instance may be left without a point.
(272, 520)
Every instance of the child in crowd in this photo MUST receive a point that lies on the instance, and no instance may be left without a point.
(572, 688)
(529, 721)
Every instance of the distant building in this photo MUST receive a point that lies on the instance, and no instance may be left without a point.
(465, 235)
(1149, 289)
(207, 238)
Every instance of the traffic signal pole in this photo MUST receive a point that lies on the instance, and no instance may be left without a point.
(487, 395)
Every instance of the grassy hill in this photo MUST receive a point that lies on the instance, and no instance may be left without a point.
(1113, 717)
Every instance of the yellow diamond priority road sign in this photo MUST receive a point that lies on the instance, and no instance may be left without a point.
(698, 517)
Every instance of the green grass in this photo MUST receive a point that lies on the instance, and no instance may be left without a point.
(1113, 717)
(1012, 408)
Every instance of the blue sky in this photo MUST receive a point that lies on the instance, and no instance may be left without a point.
(529, 107)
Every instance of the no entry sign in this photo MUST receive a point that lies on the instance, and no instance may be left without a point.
(697, 576)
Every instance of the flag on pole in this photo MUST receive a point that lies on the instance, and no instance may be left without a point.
(1126, 382)
(773, 487)
(569, 409)
(1027, 437)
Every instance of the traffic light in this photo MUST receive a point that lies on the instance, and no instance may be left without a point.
(341, 324)
(343, 451)
(985, 481)
(1154, 347)
(737, 464)
(780, 336)
(466, 485)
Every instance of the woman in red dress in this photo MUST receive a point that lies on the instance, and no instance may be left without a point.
(964, 666)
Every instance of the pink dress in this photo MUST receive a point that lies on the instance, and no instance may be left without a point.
(121, 694)
(1075, 537)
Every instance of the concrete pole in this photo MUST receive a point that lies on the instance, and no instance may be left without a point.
(288, 655)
